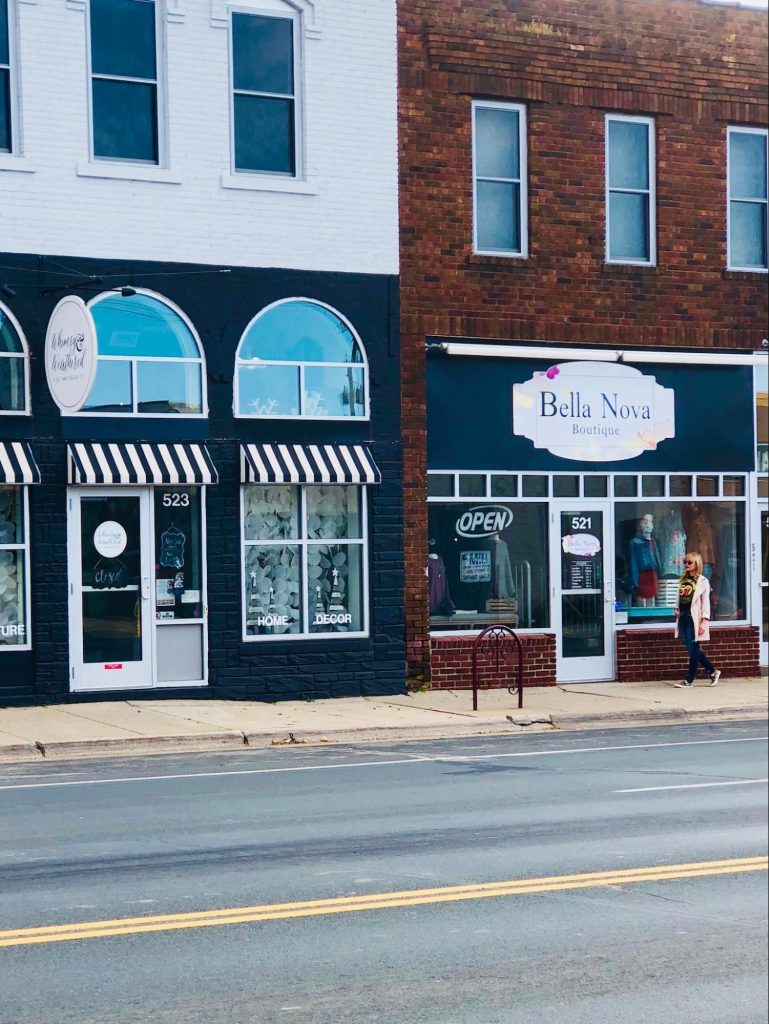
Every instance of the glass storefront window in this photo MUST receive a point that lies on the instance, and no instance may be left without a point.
(488, 563)
(596, 486)
(762, 417)
(303, 560)
(178, 554)
(472, 485)
(565, 486)
(651, 538)
(14, 611)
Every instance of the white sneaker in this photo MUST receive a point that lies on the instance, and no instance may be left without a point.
(715, 677)
(683, 684)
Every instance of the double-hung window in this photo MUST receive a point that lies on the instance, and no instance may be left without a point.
(630, 192)
(6, 71)
(264, 94)
(747, 205)
(499, 179)
(124, 80)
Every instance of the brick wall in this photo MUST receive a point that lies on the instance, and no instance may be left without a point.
(452, 663)
(695, 68)
(649, 654)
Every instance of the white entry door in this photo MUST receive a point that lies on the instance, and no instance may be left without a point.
(583, 596)
(110, 589)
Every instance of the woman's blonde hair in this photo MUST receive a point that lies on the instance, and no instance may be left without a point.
(696, 572)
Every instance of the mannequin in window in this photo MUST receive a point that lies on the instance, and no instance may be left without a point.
(645, 565)
(671, 540)
(438, 585)
(502, 583)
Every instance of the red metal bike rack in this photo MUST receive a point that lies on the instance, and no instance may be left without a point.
(495, 637)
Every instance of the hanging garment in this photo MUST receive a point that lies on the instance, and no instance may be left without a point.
(503, 585)
(440, 599)
(671, 540)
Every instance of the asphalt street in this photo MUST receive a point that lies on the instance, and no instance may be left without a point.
(148, 840)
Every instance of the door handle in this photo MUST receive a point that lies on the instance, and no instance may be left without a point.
(607, 592)
(145, 588)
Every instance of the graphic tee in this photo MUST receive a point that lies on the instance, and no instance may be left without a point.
(686, 593)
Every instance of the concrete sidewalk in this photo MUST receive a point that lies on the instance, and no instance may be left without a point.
(156, 726)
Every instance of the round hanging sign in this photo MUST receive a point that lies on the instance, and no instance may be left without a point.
(110, 539)
(70, 354)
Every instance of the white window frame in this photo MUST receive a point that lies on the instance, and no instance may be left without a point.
(303, 542)
(24, 547)
(733, 130)
(363, 365)
(160, 97)
(276, 10)
(651, 191)
(12, 68)
(23, 355)
(521, 181)
(134, 360)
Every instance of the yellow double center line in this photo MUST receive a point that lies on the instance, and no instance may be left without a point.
(373, 901)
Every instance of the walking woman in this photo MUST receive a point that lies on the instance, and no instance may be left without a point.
(693, 618)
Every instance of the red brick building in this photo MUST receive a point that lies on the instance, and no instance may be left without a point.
(584, 305)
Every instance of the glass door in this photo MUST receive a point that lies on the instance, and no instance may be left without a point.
(110, 589)
(582, 590)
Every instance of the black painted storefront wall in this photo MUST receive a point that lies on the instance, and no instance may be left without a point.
(220, 306)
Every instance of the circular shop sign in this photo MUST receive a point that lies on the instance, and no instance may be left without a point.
(70, 353)
(110, 539)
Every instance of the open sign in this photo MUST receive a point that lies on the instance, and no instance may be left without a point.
(484, 521)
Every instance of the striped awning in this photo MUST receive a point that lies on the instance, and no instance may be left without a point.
(308, 464)
(17, 464)
(148, 463)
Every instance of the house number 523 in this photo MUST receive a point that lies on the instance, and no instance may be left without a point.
(176, 500)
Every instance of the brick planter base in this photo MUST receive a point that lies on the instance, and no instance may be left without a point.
(644, 655)
(452, 663)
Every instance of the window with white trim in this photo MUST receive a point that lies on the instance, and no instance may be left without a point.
(304, 559)
(124, 37)
(13, 366)
(14, 569)
(630, 190)
(748, 190)
(149, 359)
(6, 80)
(499, 179)
(264, 82)
(301, 359)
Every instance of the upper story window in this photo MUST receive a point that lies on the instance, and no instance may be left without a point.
(13, 366)
(299, 358)
(499, 179)
(6, 105)
(124, 80)
(747, 209)
(149, 359)
(630, 192)
(264, 93)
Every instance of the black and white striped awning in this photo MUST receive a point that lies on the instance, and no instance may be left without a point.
(17, 464)
(308, 464)
(141, 464)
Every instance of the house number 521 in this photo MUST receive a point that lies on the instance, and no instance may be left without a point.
(176, 500)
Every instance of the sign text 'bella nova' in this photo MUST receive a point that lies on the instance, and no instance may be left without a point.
(594, 412)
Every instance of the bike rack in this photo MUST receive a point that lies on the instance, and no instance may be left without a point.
(495, 637)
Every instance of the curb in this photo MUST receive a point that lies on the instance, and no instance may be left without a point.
(509, 725)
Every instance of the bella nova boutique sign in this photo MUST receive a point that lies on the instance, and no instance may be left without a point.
(593, 412)
(70, 354)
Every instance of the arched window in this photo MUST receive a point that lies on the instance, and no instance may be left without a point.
(149, 358)
(299, 358)
(13, 366)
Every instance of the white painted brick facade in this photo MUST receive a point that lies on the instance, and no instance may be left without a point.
(50, 204)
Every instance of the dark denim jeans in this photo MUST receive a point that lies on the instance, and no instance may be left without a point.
(690, 642)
